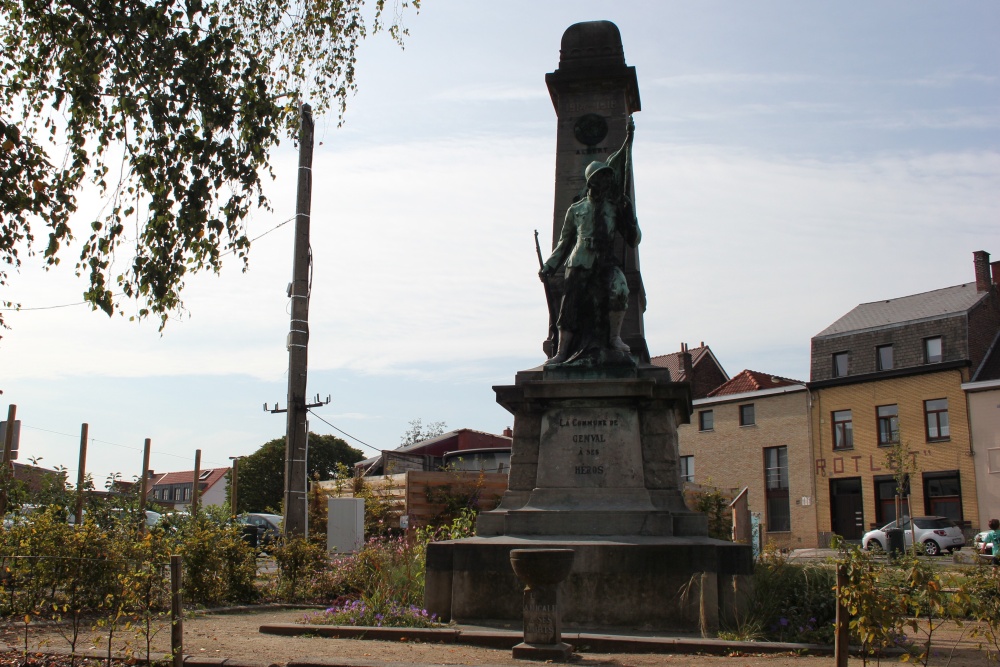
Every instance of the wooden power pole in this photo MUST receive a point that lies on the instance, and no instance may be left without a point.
(81, 473)
(296, 437)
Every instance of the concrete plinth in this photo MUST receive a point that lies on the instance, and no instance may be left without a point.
(560, 652)
(635, 582)
(594, 469)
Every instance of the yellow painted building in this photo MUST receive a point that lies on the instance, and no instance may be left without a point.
(855, 486)
(890, 373)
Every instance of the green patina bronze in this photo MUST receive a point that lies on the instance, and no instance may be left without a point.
(596, 293)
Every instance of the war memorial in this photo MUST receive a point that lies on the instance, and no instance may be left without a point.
(594, 462)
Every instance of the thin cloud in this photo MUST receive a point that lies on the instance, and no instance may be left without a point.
(491, 93)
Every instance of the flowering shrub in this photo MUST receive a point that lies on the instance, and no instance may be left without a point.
(364, 613)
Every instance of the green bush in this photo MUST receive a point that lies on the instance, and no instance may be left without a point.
(304, 571)
(219, 567)
(788, 602)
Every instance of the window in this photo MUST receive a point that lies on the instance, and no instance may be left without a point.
(936, 418)
(187, 493)
(932, 350)
(843, 430)
(776, 485)
(943, 494)
(840, 364)
(687, 468)
(706, 420)
(888, 424)
(746, 415)
(883, 357)
(205, 474)
(885, 499)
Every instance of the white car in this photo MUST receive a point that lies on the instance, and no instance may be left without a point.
(936, 533)
(978, 545)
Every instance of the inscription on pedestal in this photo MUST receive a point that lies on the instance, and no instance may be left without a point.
(541, 621)
(590, 447)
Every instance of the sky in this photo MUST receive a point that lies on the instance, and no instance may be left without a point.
(792, 160)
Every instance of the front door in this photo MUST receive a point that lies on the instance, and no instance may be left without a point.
(847, 517)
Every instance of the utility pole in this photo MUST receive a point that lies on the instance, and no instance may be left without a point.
(144, 481)
(196, 486)
(81, 473)
(296, 437)
(8, 464)
(234, 486)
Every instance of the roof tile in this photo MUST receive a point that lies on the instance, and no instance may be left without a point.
(748, 380)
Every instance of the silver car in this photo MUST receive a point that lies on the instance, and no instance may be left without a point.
(936, 533)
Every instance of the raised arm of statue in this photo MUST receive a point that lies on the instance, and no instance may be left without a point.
(621, 160)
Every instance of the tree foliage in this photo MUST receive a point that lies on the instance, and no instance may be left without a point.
(172, 109)
(261, 476)
(417, 432)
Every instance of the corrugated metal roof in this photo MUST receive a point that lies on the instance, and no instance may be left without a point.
(913, 308)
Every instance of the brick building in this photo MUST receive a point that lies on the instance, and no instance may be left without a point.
(892, 372)
(983, 395)
(695, 365)
(753, 432)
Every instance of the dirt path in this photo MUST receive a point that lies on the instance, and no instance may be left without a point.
(236, 636)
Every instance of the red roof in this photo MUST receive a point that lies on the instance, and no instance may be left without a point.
(673, 361)
(748, 380)
(187, 477)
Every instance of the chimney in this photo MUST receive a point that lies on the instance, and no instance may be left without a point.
(981, 260)
(508, 432)
(996, 272)
(686, 367)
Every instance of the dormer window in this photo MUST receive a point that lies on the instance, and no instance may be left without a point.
(840, 364)
(932, 350)
(883, 357)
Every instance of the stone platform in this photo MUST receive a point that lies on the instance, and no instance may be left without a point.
(594, 468)
(634, 582)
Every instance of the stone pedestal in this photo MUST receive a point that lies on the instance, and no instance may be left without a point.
(594, 454)
(542, 570)
(594, 468)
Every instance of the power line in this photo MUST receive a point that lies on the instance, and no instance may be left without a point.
(344, 432)
(82, 303)
(115, 444)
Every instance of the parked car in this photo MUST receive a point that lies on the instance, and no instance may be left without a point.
(977, 542)
(21, 515)
(268, 527)
(936, 533)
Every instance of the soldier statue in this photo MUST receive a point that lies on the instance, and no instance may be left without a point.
(596, 293)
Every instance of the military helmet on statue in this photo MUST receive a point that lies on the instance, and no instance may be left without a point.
(594, 168)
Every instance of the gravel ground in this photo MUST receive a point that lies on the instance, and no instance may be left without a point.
(236, 636)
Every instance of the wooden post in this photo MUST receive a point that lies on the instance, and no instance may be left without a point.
(144, 481)
(81, 473)
(234, 487)
(176, 613)
(296, 435)
(842, 634)
(196, 486)
(8, 465)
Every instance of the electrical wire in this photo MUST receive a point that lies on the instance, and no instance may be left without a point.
(82, 303)
(344, 432)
